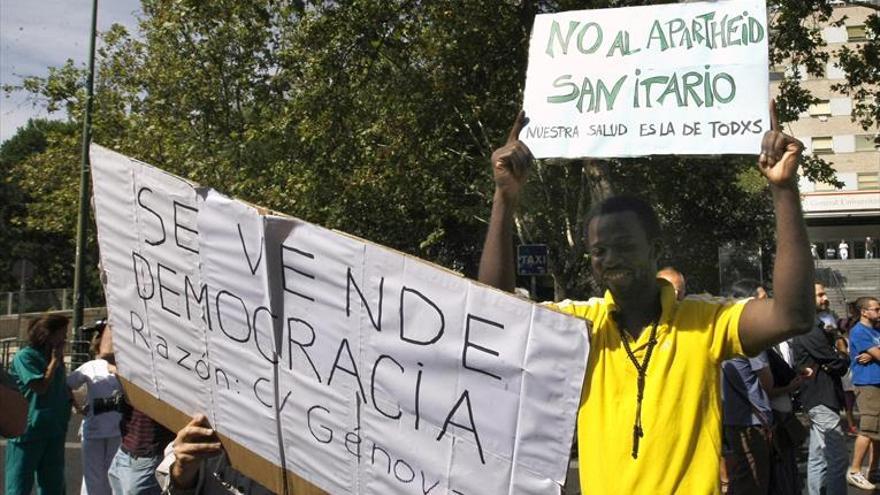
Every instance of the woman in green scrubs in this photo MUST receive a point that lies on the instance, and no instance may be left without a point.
(38, 370)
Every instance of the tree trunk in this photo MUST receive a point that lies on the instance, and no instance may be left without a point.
(595, 185)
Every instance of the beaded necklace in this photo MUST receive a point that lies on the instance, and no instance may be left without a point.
(642, 370)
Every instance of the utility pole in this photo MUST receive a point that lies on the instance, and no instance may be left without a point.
(84, 183)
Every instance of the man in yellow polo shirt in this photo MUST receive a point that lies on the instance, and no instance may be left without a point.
(650, 416)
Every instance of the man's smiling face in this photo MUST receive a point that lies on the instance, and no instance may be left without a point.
(623, 259)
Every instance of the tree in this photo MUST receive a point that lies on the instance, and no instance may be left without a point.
(34, 226)
(377, 118)
(862, 68)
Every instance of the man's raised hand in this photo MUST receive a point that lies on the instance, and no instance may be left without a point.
(511, 162)
(780, 153)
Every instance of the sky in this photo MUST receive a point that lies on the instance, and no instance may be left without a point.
(38, 34)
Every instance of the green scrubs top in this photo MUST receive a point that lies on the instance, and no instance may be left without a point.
(48, 413)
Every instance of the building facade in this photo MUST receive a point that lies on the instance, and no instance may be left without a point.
(849, 215)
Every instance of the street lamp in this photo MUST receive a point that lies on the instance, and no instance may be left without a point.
(84, 183)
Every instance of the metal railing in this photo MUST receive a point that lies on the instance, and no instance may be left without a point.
(8, 347)
(34, 301)
(76, 352)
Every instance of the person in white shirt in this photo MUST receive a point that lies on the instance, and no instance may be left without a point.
(100, 426)
(843, 249)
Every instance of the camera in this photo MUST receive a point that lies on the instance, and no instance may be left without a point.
(88, 330)
(114, 403)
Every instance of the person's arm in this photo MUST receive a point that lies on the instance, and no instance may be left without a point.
(13, 421)
(865, 358)
(78, 377)
(802, 358)
(765, 378)
(823, 353)
(790, 312)
(41, 385)
(510, 166)
(194, 442)
(863, 345)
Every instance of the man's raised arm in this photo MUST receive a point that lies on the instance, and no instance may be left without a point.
(510, 167)
(792, 309)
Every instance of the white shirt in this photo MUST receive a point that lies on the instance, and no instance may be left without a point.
(784, 350)
(782, 403)
(101, 384)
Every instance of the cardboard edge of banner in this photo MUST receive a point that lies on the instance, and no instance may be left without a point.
(241, 458)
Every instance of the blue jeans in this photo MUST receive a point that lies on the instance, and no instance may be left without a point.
(131, 475)
(828, 459)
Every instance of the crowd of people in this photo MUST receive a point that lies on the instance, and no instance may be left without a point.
(843, 250)
(825, 372)
(683, 393)
(124, 450)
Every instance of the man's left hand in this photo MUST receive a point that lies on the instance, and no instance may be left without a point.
(194, 442)
(780, 153)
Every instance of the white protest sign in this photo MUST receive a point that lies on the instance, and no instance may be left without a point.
(688, 78)
(355, 367)
(242, 336)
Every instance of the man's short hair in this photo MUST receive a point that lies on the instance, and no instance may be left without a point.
(747, 287)
(625, 203)
(862, 302)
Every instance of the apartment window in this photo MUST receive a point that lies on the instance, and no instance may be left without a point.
(820, 108)
(865, 142)
(868, 181)
(823, 145)
(833, 71)
(856, 33)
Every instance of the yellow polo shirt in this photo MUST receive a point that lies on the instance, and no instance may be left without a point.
(681, 409)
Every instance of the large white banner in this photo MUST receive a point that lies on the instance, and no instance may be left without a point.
(688, 78)
(358, 368)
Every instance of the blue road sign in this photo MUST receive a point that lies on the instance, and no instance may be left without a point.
(531, 259)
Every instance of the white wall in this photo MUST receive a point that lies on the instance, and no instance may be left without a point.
(832, 72)
(841, 106)
(844, 144)
(834, 34)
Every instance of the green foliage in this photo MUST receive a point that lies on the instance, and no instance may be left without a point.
(377, 118)
(38, 192)
(862, 67)
(703, 203)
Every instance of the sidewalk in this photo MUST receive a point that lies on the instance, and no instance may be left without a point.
(73, 463)
(72, 458)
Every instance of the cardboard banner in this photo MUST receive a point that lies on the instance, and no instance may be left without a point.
(322, 357)
(689, 78)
